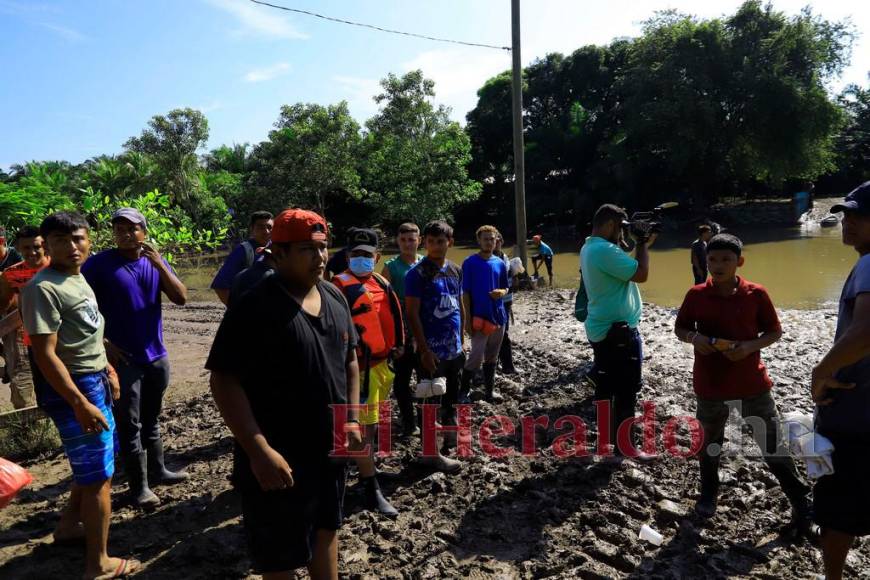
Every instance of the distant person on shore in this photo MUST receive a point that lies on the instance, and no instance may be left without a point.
(728, 321)
(129, 281)
(544, 255)
(243, 255)
(611, 277)
(75, 386)
(275, 394)
(841, 389)
(433, 300)
(377, 316)
(514, 268)
(484, 286)
(15, 344)
(408, 240)
(699, 254)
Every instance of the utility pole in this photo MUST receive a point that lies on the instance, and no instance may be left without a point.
(519, 147)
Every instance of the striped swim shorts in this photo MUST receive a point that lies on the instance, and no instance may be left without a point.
(91, 455)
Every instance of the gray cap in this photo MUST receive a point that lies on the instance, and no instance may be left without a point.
(130, 214)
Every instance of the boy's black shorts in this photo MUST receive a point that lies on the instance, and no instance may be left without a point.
(280, 526)
(841, 500)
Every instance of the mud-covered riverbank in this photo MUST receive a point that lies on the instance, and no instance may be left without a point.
(523, 517)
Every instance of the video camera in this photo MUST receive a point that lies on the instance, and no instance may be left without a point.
(645, 223)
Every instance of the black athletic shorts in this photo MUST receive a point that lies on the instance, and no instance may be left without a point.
(841, 500)
(281, 526)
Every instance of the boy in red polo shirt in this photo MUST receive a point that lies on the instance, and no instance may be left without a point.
(728, 320)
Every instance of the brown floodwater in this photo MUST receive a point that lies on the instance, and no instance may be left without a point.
(801, 267)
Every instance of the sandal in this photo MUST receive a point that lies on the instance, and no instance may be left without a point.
(124, 568)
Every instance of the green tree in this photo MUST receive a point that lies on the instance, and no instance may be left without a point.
(415, 161)
(691, 108)
(233, 159)
(310, 159)
(172, 141)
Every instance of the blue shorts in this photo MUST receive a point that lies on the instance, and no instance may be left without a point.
(91, 455)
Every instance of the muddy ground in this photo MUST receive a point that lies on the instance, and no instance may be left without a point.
(509, 518)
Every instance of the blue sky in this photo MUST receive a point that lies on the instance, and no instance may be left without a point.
(82, 76)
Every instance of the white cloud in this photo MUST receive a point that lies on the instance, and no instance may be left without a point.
(359, 93)
(64, 32)
(267, 73)
(10, 7)
(258, 20)
(458, 74)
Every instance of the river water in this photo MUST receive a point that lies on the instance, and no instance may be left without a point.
(802, 267)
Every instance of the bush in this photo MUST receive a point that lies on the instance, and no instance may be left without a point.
(28, 438)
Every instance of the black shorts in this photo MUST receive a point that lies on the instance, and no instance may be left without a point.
(840, 500)
(547, 260)
(281, 526)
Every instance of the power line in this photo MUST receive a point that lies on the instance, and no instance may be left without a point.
(378, 28)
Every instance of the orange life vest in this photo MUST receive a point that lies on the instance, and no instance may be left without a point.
(376, 314)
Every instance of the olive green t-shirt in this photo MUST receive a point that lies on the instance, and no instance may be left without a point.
(63, 304)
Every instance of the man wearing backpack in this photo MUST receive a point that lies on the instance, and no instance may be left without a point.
(243, 255)
(610, 277)
(377, 317)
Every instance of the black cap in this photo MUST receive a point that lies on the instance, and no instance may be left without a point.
(362, 239)
(858, 200)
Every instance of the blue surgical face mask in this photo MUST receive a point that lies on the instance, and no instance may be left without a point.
(362, 266)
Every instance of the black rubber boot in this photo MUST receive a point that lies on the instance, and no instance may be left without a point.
(406, 410)
(137, 477)
(489, 382)
(707, 503)
(465, 386)
(375, 500)
(157, 471)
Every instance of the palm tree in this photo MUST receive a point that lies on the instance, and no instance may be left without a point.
(233, 159)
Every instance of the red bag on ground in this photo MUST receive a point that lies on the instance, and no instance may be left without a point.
(13, 478)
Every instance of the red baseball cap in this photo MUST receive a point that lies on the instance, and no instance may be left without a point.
(298, 225)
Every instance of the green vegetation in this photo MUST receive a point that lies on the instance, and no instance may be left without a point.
(28, 438)
(692, 110)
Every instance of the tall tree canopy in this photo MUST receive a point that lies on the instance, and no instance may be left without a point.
(414, 160)
(691, 109)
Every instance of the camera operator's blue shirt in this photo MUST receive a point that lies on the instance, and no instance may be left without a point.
(613, 297)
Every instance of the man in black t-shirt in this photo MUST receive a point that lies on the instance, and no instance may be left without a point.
(699, 254)
(275, 395)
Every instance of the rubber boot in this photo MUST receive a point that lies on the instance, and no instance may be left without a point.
(489, 383)
(375, 500)
(406, 410)
(441, 463)
(707, 503)
(157, 471)
(137, 477)
(465, 386)
(506, 356)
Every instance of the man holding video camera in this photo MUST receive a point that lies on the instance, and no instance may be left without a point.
(611, 276)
